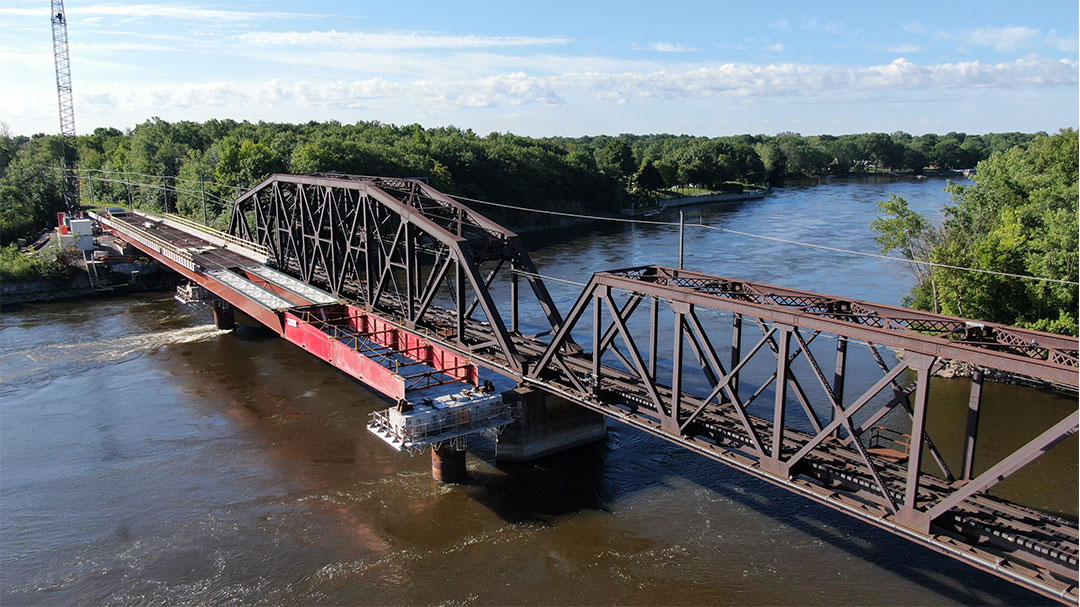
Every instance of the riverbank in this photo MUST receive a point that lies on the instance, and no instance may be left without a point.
(29, 291)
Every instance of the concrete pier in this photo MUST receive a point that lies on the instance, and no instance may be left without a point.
(448, 464)
(545, 424)
(224, 315)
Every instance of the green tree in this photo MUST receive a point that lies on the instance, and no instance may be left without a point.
(648, 178)
(617, 159)
(900, 228)
(1019, 218)
(31, 192)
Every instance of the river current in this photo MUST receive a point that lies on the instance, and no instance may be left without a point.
(148, 458)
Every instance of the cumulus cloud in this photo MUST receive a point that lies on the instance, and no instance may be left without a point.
(518, 88)
(744, 80)
(388, 41)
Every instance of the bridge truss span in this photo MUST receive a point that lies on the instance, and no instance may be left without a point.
(393, 245)
(821, 435)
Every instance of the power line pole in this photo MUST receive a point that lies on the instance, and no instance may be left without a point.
(67, 105)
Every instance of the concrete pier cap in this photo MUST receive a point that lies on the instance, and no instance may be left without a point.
(545, 424)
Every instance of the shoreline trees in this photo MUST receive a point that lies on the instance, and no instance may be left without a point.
(1020, 217)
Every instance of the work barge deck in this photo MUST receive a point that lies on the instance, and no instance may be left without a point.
(385, 343)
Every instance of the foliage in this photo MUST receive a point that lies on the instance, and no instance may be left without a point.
(648, 178)
(1020, 217)
(186, 166)
(30, 189)
(908, 231)
(18, 266)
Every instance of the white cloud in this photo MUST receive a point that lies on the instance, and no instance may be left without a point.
(518, 88)
(775, 47)
(744, 80)
(1062, 43)
(388, 41)
(1003, 39)
(671, 47)
(512, 89)
(904, 47)
(136, 11)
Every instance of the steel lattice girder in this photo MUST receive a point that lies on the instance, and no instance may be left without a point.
(833, 457)
(391, 244)
(1040, 355)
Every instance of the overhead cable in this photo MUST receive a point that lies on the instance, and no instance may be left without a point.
(775, 239)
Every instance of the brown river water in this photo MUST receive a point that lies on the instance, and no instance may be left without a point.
(147, 458)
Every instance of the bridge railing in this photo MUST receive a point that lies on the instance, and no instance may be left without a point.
(130, 231)
(246, 248)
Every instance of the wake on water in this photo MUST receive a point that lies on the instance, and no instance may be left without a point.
(43, 362)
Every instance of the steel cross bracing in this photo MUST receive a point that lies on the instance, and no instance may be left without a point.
(391, 244)
(830, 460)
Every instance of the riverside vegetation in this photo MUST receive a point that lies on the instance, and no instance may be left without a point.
(1016, 218)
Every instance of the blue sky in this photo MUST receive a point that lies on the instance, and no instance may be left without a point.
(554, 67)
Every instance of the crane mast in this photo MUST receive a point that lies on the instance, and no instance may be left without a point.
(67, 105)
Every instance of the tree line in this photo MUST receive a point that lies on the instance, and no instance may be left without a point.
(1019, 218)
(178, 165)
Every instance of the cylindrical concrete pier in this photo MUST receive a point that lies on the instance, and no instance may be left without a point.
(224, 316)
(448, 464)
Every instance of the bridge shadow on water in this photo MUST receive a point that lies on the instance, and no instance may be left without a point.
(595, 477)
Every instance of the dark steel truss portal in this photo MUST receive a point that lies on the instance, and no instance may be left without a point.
(395, 245)
(392, 244)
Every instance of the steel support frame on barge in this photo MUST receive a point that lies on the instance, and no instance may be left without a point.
(830, 465)
(316, 230)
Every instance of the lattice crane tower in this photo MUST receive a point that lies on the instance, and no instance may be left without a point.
(67, 104)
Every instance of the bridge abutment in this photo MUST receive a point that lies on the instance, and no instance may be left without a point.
(545, 424)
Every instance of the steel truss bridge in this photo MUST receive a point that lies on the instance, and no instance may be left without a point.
(396, 284)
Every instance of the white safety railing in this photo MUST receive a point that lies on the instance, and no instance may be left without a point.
(222, 239)
(164, 248)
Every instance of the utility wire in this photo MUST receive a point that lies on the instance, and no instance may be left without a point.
(546, 277)
(775, 239)
(208, 194)
(638, 221)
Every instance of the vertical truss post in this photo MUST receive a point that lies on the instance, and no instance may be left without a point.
(411, 271)
(736, 348)
(974, 403)
(908, 514)
(838, 374)
(671, 422)
(654, 330)
(514, 309)
(774, 463)
(459, 299)
(598, 317)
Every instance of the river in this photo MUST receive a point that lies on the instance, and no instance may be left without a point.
(147, 458)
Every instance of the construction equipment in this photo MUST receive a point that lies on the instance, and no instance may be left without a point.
(67, 106)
